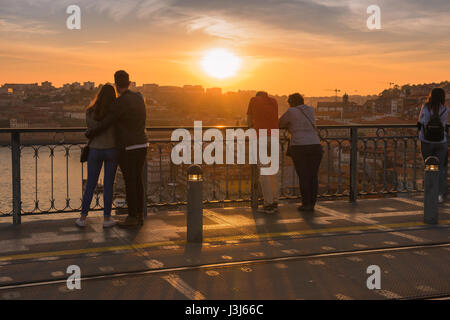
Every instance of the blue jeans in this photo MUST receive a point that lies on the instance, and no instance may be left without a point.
(439, 150)
(95, 162)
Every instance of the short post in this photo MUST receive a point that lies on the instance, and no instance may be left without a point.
(431, 192)
(16, 190)
(195, 204)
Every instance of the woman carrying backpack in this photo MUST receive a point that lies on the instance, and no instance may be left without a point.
(433, 135)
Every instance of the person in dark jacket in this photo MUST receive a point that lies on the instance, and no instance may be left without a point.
(128, 116)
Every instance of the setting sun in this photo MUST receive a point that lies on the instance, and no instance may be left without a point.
(220, 63)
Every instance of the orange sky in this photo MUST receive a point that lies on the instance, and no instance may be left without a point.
(285, 46)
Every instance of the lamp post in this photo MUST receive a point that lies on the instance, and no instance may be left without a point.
(431, 192)
(195, 204)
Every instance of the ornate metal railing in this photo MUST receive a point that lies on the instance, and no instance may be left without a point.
(42, 172)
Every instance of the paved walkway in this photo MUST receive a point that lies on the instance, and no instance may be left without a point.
(245, 255)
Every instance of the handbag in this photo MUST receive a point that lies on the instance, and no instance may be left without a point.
(85, 152)
(289, 149)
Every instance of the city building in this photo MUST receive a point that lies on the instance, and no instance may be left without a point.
(339, 106)
(18, 123)
(149, 88)
(88, 85)
(46, 85)
(214, 91)
(194, 89)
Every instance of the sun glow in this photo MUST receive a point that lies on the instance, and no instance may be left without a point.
(220, 63)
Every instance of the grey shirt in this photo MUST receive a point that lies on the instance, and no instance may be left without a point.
(105, 139)
(301, 130)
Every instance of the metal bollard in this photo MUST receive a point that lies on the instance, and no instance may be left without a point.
(195, 204)
(431, 192)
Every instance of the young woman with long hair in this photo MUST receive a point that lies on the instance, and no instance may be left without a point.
(433, 135)
(102, 151)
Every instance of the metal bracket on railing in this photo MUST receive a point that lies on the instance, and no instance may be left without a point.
(380, 132)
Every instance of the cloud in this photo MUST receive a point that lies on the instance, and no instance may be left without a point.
(115, 9)
(301, 25)
(12, 25)
(149, 8)
(217, 27)
(98, 42)
(333, 18)
(326, 27)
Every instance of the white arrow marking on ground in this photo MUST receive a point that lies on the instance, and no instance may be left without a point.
(182, 287)
(359, 218)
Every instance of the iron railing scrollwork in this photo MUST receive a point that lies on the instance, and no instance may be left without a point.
(358, 160)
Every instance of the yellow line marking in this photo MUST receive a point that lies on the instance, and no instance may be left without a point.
(223, 238)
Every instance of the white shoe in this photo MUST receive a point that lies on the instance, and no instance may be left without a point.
(81, 223)
(440, 198)
(109, 223)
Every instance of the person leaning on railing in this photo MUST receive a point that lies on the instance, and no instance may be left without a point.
(262, 113)
(304, 148)
(433, 135)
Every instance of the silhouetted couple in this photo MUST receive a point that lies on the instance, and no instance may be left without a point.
(116, 133)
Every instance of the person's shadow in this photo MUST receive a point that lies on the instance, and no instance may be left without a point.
(309, 218)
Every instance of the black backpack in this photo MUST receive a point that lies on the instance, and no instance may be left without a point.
(434, 130)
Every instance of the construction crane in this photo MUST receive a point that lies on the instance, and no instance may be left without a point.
(336, 93)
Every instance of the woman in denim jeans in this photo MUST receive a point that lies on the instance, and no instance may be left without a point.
(102, 151)
(435, 105)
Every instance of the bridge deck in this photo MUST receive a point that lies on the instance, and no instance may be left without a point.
(245, 255)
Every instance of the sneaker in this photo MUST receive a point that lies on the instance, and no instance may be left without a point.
(270, 208)
(109, 223)
(275, 206)
(261, 210)
(81, 222)
(440, 198)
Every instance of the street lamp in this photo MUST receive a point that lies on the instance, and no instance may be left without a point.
(195, 204)
(431, 190)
